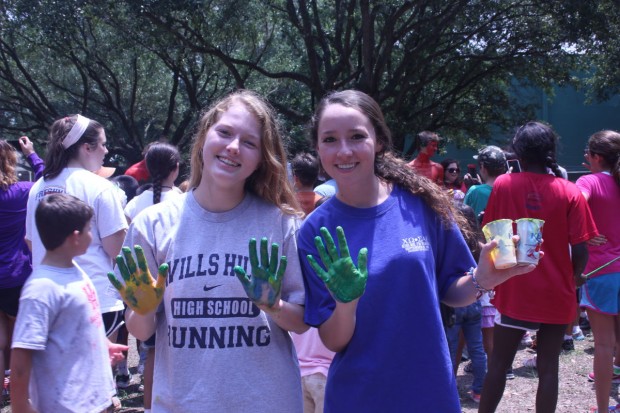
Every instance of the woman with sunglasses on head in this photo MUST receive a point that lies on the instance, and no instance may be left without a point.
(601, 291)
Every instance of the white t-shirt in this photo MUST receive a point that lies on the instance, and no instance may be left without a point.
(109, 218)
(210, 336)
(60, 321)
(145, 200)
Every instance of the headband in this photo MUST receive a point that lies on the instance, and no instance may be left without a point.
(76, 131)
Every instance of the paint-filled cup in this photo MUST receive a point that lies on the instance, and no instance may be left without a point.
(501, 230)
(530, 240)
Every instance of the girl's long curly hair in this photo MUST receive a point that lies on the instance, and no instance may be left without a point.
(388, 167)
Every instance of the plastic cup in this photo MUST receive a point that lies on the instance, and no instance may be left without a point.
(530, 240)
(501, 230)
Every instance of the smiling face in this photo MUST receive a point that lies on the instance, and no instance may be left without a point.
(451, 173)
(232, 148)
(347, 145)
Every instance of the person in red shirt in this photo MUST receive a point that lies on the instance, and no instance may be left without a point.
(544, 299)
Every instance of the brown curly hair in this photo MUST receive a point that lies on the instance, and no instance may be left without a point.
(8, 162)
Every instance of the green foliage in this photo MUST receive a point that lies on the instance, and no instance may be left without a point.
(146, 68)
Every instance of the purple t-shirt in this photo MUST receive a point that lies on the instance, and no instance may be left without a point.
(15, 262)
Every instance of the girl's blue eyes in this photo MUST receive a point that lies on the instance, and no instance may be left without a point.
(357, 136)
(226, 133)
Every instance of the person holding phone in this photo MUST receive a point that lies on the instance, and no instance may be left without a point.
(15, 264)
(471, 177)
(513, 166)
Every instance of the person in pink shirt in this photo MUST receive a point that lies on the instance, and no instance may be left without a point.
(601, 292)
(314, 361)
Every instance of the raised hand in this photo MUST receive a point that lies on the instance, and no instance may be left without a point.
(344, 280)
(265, 285)
(140, 292)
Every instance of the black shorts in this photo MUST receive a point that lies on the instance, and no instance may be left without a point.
(112, 321)
(504, 320)
(9, 300)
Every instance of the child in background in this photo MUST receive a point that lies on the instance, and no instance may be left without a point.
(59, 344)
(314, 361)
(305, 169)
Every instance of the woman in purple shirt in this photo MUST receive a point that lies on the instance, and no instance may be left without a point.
(15, 262)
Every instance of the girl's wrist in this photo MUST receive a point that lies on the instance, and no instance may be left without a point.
(479, 288)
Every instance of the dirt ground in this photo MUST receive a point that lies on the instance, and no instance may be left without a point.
(576, 392)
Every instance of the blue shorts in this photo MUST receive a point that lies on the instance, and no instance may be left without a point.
(602, 294)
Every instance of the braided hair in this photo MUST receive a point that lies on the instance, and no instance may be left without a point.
(161, 160)
(535, 143)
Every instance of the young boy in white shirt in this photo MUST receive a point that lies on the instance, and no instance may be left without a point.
(60, 360)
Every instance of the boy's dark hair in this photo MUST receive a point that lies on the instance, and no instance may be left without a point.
(305, 167)
(57, 216)
(424, 138)
(128, 184)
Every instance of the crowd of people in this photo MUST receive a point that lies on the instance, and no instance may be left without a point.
(275, 286)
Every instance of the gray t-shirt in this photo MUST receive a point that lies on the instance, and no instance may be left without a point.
(215, 350)
(60, 320)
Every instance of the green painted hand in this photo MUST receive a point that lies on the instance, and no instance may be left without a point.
(265, 285)
(345, 281)
(140, 292)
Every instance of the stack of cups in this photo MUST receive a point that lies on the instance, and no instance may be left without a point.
(528, 248)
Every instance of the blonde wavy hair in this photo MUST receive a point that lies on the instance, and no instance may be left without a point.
(270, 181)
(8, 162)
